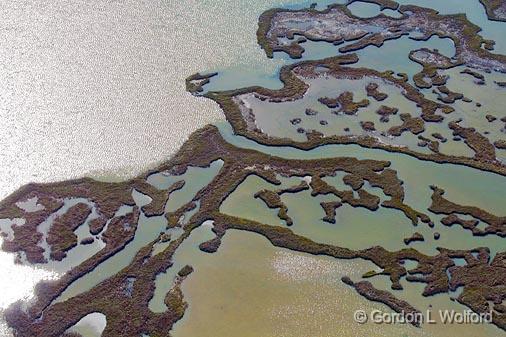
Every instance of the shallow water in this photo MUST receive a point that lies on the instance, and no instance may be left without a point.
(394, 54)
(185, 254)
(434, 304)
(393, 57)
(110, 75)
(123, 107)
(242, 203)
(17, 283)
(275, 119)
(387, 227)
(91, 325)
(195, 179)
(147, 230)
(367, 228)
(490, 96)
(79, 253)
(129, 100)
(369, 10)
(278, 119)
(284, 293)
(474, 12)
(494, 182)
(462, 185)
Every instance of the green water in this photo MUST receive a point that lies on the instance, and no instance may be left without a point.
(242, 203)
(147, 230)
(393, 56)
(289, 294)
(249, 287)
(274, 119)
(462, 184)
(475, 13)
(187, 253)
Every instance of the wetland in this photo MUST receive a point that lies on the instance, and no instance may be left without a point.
(368, 173)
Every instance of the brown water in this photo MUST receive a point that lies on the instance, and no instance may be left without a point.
(250, 288)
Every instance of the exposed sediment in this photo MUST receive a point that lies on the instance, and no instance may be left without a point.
(204, 147)
(337, 24)
(482, 278)
(431, 61)
(496, 9)
(294, 78)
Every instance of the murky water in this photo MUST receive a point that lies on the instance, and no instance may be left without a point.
(111, 75)
(91, 325)
(462, 185)
(393, 57)
(285, 293)
(185, 255)
(281, 292)
(98, 87)
(284, 119)
(386, 226)
(488, 99)
(242, 203)
(147, 230)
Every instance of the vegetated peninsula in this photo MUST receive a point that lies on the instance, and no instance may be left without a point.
(113, 213)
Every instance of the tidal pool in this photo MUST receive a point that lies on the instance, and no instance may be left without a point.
(278, 119)
(147, 230)
(462, 185)
(282, 293)
(369, 10)
(91, 325)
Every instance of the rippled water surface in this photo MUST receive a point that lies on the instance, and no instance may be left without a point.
(97, 88)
